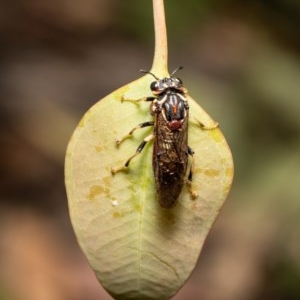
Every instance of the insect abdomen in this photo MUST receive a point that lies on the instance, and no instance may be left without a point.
(170, 159)
(170, 180)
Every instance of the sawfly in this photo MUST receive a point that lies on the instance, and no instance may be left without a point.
(170, 109)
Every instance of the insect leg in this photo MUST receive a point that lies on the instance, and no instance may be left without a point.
(191, 153)
(212, 126)
(190, 176)
(138, 100)
(138, 151)
(142, 125)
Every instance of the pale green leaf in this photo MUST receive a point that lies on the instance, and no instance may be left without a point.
(137, 249)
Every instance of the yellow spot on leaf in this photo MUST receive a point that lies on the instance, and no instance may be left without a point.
(229, 172)
(98, 148)
(95, 190)
(212, 172)
(216, 135)
(116, 215)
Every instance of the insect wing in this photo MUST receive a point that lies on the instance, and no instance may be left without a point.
(170, 158)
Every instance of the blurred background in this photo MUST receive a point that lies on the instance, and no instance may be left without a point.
(241, 62)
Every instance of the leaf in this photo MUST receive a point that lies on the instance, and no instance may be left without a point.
(137, 249)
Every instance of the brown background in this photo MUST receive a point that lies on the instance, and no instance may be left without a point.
(241, 61)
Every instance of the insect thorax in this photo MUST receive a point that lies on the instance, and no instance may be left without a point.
(173, 106)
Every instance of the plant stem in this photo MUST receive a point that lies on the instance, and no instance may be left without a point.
(160, 60)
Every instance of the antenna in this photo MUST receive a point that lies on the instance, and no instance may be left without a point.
(148, 72)
(177, 69)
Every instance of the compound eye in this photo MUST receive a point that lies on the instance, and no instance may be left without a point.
(179, 81)
(154, 86)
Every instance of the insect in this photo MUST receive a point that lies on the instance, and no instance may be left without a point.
(171, 152)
